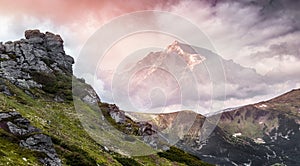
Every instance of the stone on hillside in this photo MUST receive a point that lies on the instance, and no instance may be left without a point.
(2, 48)
(116, 114)
(42, 143)
(33, 34)
(4, 56)
(30, 137)
(54, 42)
(58, 99)
(9, 47)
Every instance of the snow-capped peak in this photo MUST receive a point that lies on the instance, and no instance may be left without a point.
(190, 56)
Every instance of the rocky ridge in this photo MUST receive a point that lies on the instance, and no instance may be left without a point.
(38, 52)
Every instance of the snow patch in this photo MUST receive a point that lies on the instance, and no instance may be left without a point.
(263, 106)
(259, 141)
(191, 59)
(237, 134)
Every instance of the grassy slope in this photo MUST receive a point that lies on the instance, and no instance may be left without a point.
(72, 143)
(11, 153)
(254, 121)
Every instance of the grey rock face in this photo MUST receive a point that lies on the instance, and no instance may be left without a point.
(147, 132)
(29, 136)
(39, 52)
(4, 56)
(91, 97)
(58, 99)
(33, 34)
(2, 47)
(42, 143)
(116, 114)
(54, 42)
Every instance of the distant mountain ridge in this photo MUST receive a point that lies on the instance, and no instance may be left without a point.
(186, 75)
(264, 133)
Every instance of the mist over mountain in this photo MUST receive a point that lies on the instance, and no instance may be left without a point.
(180, 77)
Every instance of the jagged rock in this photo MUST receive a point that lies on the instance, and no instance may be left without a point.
(148, 134)
(58, 99)
(4, 115)
(29, 136)
(8, 64)
(54, 42)
(116, 114)
(33, 34)
(145, 129)
(22, 122)
(3, 56)
(22, 83)
(42, 143)
(2, 48)
(21, 131)
(9, 47)
(39, 52)
(91, 97)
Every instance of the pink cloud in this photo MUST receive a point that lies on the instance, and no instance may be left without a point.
(63, 12)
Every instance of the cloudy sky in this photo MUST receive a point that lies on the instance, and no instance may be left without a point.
(260, 34)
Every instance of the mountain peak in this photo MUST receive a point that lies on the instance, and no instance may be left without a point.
(187, 52)
(182, 47)
(175, 46)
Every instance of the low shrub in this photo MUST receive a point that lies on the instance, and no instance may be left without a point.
(73, 155)
(178, 155)
(127, 161)
(55, 83)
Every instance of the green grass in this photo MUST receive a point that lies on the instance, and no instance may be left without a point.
(175, 154)
(250, 127)
(62, 123)
(127, 161)
(55, 83)
(12, 154)
(156, 160)
(3, 59)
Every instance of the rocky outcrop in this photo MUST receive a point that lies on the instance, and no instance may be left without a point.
(29, 137)
(90, 97)
(39, 52)
(116, 114)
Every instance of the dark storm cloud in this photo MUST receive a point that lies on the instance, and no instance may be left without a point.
(272, 12)
(281, 50)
